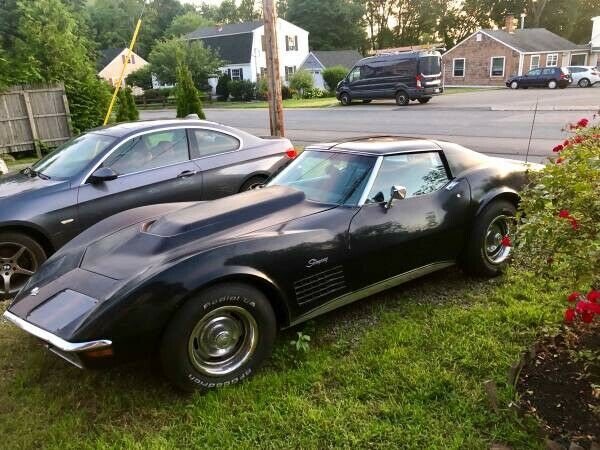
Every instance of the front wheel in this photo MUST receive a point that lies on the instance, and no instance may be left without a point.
(253, 183)
(402, 98)
(489, 243)
(345, 99)
(514, 85)
(218, 338)
(20, 258)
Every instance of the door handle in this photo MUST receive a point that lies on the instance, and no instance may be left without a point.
(187, 173)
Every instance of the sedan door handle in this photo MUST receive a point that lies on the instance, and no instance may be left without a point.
(187, 173)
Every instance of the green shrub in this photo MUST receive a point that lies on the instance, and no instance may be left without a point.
(313, 93)
(262, 89)
(188, 99)
(287, 92)
(126, 109)
(141, 78)
(223, 87)
(242, 90)
(302, 80)
(333, 75)
(558, 237)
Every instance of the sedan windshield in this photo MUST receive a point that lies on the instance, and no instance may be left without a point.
(328, 177)
(73, 156)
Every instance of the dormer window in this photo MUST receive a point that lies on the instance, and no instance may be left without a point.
(291, 43)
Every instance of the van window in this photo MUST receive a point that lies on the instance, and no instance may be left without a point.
(354, 75)
(430, 65)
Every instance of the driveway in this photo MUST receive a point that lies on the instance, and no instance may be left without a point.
(496, 122)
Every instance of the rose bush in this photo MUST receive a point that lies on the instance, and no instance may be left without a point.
(558, 237)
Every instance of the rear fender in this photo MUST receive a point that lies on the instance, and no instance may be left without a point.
(504, 193)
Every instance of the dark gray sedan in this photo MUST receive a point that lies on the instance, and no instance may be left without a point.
(117, 168)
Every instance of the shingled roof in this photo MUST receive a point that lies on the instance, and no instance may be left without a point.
(533, 40)
(345, 58)
(224, 30)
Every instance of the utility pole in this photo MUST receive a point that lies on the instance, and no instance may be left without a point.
(273, 76)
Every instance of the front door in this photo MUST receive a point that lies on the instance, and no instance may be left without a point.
(153, 168)
(424, 228)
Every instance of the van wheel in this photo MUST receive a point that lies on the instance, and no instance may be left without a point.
(552, 84)
(402, 98)
(218, 338)
(367, 101)
(424, 100)
(345, 99)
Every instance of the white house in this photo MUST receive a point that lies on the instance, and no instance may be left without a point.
(241, 46)
(112, 61)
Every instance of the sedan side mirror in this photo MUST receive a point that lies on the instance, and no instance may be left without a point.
(103, 174)
(396, 193)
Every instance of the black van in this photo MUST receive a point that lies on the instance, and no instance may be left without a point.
(413, 75)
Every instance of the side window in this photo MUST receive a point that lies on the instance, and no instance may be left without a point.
(149, 151)
(419, 173)
(354, 75)
(534, 72)
(210, 142)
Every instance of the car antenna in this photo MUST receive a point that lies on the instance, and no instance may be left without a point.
(531, 131)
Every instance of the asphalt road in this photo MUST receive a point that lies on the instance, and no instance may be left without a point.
(496, 122)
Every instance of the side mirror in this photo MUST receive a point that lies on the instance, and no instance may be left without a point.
(103, 174)
(396, 193)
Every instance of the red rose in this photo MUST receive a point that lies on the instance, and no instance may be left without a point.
(578, 139)
(587, 317)
(506, 241)
(583, 123)
(593, 296)
(559, 160)
(558, 148)
(574, 223)
(574, 296)
(564, 213)
(569, 314)
(566, 143)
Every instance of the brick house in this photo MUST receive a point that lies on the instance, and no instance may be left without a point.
(489, 57)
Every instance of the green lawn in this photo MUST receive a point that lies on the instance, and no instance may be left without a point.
(403, 369)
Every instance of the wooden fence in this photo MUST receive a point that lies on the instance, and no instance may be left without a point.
(32, 115)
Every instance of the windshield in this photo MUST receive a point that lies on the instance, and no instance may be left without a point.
(73, 156)
(328, 177)
(430, 65)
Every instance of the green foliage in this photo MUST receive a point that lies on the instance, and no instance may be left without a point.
(301, 343)
(313, 93)
(286, 92)
(222, 88)
(242, 90)
(186, 23)
(302, 80)
(168, 54)
(141, 78)
(188, 99)
(564, 249)
(333, 75)
(126, 109)
(333, 25)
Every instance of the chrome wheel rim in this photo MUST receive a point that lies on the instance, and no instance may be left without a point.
(494, 249)
(17, 264)
(223, 340)
(552, 84)
(514, 85)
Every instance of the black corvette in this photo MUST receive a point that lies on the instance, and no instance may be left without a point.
(207, 285)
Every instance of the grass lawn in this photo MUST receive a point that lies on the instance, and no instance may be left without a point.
(402, 369)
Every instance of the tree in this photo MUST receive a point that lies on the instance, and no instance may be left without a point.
(141, 78)
(188, 99)
(223, 87)
(126, 109)
(333, 75)
(302, 80)
(168, 54)
(333, 25)
(186, 23)
(44, 46)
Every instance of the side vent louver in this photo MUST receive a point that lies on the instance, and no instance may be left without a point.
(320, 285)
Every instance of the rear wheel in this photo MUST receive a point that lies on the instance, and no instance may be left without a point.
(20, 258)
(402, 98)
(514, 85)
(489, 243)
(218, 338)
(424, 100)
(552, 84)
(253, 183)
(584, 82)
(345, 99)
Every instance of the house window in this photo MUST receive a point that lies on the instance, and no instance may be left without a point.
(552, 60)
(478, 37)
(289, 71)
(458, 67)
(291, 43)
(535, 62)
(579, 59)
(236, 74)
(132, 59)
(497, 66)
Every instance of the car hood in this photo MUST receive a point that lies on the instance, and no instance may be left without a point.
(19, 184)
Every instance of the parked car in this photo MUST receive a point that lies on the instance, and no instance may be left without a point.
(116, 168)
(584, 76)
(550, 77)
(207, 285)
(406, 76)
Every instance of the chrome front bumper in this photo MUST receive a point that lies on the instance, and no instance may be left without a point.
(55, 341)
